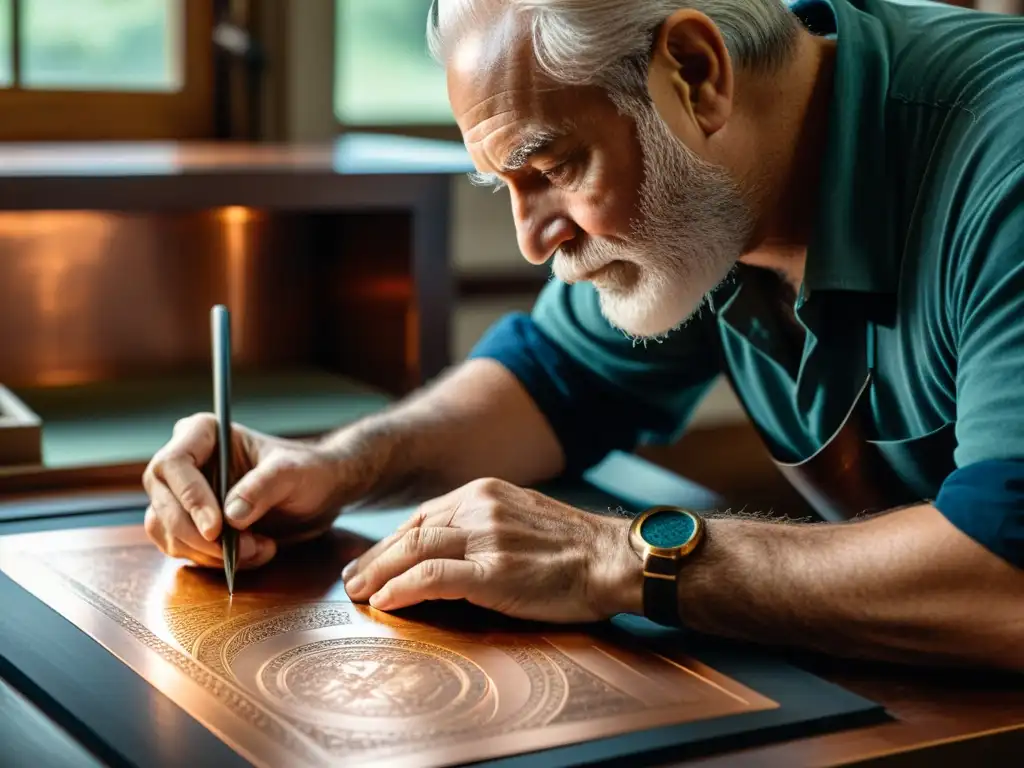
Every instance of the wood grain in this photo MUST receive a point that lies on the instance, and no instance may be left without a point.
(941, 716)
(62, 115)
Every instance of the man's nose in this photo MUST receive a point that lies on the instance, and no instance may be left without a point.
(541, 228)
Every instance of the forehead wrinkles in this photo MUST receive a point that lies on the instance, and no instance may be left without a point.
(490, 126)
(502, 109)
(478, 117)
(510, 104)
(492, 145)
(517, 138)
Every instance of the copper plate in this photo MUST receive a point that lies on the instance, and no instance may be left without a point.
(291, 672)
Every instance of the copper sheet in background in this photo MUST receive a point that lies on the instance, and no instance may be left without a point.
(290, 671)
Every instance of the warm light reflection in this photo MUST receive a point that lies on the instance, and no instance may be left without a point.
(179, 585)
(50, 270)
(158, 598)
(66, 377)
(236, 214)
(238, 249)
(62, 249)
(471, 54)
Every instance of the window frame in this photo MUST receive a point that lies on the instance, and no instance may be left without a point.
(32, 114)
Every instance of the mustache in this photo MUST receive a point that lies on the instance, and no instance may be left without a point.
(573, 261)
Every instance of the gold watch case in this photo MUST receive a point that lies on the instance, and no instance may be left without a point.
(648, 552)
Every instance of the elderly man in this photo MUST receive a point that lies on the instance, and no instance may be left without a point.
(826, 204)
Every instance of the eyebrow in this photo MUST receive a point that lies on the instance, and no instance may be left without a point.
(531, 144)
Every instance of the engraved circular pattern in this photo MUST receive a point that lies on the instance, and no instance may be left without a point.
(376, 677)
(220, 643)
(399, 683)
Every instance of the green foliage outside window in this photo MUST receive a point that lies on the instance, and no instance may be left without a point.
(384, 74)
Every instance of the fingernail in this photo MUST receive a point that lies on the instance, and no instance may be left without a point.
(347, 570)
(380, 600)
(357, 584)
(247, 548)
(237, 510)
(207, 523)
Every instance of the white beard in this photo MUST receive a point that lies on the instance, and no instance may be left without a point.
(692, 228)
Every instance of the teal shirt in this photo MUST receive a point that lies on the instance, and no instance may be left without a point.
(918, 242)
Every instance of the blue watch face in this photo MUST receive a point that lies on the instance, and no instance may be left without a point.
(666, 529)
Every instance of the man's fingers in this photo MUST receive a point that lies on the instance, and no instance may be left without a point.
(154, 527)
(430, 580)
(173, 532)
(259, 490)
(185, 552)
(192, 493)
(413, 521)
(167, 523)
(180, 529)
(437, 512)
(415, 545)
(254, 551)
(443, 507)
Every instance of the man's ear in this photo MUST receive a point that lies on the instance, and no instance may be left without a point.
(690, 78)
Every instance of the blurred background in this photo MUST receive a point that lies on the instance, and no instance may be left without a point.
(157, 156)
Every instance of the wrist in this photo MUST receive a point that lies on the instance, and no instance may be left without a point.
(358, 457)
(379, 459)
(666, 540)
(616, 573)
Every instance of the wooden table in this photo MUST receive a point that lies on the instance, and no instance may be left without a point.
(940, 717)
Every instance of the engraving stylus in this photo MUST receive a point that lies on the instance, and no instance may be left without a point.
(220, 327)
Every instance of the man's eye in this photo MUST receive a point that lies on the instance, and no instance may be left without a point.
(560, 174)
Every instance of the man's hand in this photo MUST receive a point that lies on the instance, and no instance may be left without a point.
(287, 491)
(502, 547)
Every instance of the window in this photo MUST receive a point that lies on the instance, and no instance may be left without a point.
(6, 70)
(131, 45)
(105, 69)
(384, 76)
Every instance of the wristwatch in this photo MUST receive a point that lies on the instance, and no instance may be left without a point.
(663, 537)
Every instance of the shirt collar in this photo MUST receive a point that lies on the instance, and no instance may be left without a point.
(851, 246)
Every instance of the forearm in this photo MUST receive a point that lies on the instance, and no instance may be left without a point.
(905, 586)
(477, 421)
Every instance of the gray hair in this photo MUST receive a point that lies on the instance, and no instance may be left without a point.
(608, 42)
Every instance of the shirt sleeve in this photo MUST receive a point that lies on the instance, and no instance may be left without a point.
(984, 496)
(598, 389)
